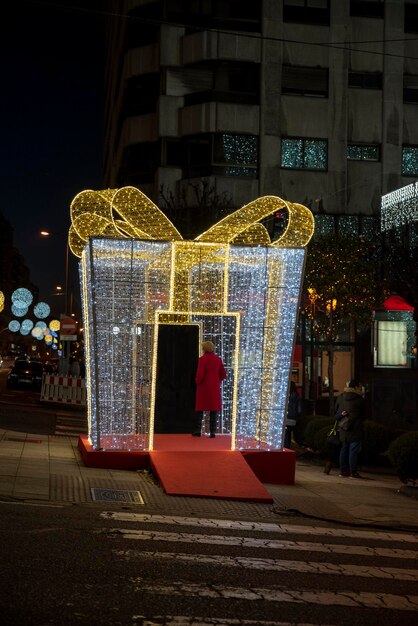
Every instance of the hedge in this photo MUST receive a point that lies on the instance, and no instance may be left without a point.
(313, 432)
(403, 454)
(376, 441)
(299, 430)
(315, 425)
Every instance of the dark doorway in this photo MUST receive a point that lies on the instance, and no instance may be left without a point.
(178, 353)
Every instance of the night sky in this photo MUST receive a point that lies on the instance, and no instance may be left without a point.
(52, 65)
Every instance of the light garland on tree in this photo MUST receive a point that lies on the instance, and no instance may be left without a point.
(243, 297)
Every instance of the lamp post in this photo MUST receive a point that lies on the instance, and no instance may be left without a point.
(46, 233)
(65, 361)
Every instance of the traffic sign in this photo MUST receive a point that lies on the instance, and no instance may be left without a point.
(68, 329)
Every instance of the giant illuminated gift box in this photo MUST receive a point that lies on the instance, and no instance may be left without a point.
(241, 289)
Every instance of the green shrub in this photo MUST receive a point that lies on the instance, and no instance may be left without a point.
(315, 425)
(299, 430)
(320, 441)
(403, 454)
(376, 441)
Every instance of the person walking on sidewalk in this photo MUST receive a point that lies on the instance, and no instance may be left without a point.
(210, 373)
(350, 415)
(294, 411)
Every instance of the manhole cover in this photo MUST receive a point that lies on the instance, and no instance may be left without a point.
(116, 495)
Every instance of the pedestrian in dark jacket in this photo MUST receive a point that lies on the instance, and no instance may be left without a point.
(350, 415)
(294, 410)
(210, 373)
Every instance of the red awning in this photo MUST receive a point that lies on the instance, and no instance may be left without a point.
(396, 303)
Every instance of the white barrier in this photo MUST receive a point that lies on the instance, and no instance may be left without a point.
(65, 389)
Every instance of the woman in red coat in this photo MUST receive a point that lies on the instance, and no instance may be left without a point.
(210, 373)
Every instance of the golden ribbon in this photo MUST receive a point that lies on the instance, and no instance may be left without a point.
(129, 213)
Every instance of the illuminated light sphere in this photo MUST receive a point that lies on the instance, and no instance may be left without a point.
(19, 309)
(26, 325)
(24, 331)
(23, 296)
(42, 310)
(59, 352)
(48, 343)
(14, 326)
(48, 338)
(42, 325)
(54, 347)
(1, 301)
(53, 333)
(54, 325)
(37, 332)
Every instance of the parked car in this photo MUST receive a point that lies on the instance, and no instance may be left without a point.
(25, 374)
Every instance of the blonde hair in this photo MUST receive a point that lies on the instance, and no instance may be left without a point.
(208, 346)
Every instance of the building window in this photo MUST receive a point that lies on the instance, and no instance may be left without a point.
(362, 152)
(305, 81)
(411, 18)
(223, 154)
(220, 82)
(324, 225)
(410, 160)
(410, 89)
(306, 11)
(304, 154)
(367, 8)
(348, 225)
(228, 15)
(237, 152)
(365, 80)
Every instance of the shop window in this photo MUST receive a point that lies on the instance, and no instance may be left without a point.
(391, 343)
(394, 333)
(304, 154)
(305, 81)
(362, 152)
(410, 160)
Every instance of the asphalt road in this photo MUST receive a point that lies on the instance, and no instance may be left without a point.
(108, 564)
(21, 410)
(103, 564)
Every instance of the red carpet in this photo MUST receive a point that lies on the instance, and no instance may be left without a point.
(214, 474)
(198, 466)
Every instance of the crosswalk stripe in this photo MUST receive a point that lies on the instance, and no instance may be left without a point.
(185, 620)
(259, 526)
(250, 542)
(278, 565)
(360, 599)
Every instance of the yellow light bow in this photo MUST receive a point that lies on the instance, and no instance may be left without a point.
(129, 213)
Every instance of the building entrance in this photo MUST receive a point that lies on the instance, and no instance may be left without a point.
(177, 357)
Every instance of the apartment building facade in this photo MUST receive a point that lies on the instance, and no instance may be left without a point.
(315, 101)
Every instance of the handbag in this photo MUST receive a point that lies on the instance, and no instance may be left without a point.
(345, 422)
(333, 437)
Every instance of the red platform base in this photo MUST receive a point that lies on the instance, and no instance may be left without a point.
(269, 466)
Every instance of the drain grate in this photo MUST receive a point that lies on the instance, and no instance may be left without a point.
(116, 495)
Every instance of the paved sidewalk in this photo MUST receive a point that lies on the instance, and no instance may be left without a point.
(46, 469)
